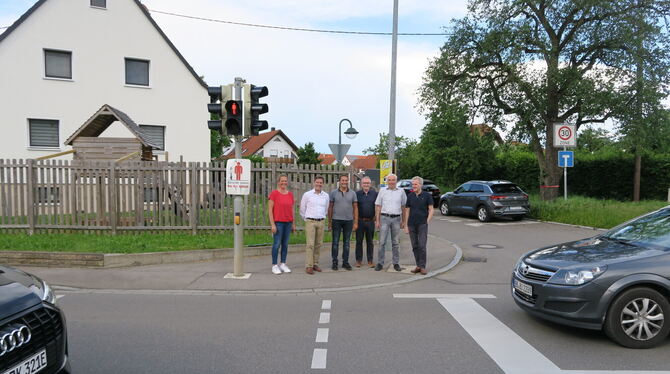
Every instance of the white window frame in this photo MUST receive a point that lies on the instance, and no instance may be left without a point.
(148, 86)
(44, 65)
(41, 148)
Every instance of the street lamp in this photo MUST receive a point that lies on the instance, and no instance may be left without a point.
(350, 133)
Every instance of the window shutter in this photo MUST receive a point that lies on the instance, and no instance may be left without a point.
(154, 134)
(43, 133)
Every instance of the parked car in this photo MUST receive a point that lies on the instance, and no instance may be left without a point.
(485, 200)
(428, 186)
(618, 281)
(33, 335)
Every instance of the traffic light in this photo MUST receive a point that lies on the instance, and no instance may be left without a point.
(217, 96)
(233, 121)
(253, 109)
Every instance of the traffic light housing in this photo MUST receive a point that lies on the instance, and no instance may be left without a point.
(233, 123)
(218, 95)
(253, 109)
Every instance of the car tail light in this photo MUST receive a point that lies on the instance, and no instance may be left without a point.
(497, 197)
(525, 196)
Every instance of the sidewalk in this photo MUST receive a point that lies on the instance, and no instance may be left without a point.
(209, 276)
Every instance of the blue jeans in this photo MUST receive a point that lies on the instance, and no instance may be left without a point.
(281, 238)
(345, 227)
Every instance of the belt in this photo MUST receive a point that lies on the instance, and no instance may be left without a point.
(316, 219)
(391, 215)
(367, 219)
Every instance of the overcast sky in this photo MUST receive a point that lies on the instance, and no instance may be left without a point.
(314, 79)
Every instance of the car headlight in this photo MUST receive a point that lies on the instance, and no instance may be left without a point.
(44, 291)
(578, 277)
(48, 293)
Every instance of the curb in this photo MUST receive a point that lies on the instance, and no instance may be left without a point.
(568, 224)
(454, 261)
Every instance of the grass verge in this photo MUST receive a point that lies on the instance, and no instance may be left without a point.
(591, 212)
(134, 243)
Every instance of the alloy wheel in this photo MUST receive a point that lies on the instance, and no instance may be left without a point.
(642, 319)
(444, 208)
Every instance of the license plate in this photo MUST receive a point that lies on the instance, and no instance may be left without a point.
(516, 208)
(524, 288)
(31, 365)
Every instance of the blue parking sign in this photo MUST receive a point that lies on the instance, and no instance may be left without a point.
(566, 159)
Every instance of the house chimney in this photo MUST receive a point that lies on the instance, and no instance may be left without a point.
(272, 129)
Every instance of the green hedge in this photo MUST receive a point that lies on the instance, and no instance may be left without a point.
(606, 175)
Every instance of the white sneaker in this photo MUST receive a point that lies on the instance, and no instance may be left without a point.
(275, 270)
(284, 268)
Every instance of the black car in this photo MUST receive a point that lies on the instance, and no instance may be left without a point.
(33, 335)
(618, 281)
(428, 186)
(485, 200)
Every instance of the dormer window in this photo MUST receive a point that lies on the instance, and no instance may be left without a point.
(99, 3)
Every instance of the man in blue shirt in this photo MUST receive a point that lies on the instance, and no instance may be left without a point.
(366, 221)
(419, 213)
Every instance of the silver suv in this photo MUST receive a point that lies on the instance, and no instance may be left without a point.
(485, 200)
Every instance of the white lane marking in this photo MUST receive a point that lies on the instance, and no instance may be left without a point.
(474, 224)
(319, 358)
(322, 335)
(326, 304)
(453, 220)
(442, 296)
(504, 346)
(511, 352)
(324, 318)
(58, 297)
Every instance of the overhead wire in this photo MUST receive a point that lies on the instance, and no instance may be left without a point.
(293, 28)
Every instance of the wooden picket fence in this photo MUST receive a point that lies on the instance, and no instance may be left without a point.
(62, 196)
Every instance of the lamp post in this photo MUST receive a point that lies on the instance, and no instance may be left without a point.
(350, 133)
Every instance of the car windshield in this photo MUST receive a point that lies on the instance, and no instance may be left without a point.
(506, 188)
(652, 229)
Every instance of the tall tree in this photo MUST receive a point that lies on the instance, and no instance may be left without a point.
(381, 148)
(307, 154)
(533, 63)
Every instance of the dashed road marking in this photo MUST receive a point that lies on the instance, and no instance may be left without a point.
(322, 335)
(324, 318)
(325, 304)
(319, 358)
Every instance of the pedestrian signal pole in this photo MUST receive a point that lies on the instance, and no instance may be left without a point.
(238, 202)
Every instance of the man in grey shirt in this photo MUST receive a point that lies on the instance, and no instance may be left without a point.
(390, 218)
(342, 218)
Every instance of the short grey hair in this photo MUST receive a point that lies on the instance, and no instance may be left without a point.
(392, 175)
(417, 178)
(366, 177)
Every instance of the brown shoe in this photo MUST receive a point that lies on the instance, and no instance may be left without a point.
(423, 271)
(317, 268)
(358, 264)
(415, 270)
(309, 270)
(370, 264)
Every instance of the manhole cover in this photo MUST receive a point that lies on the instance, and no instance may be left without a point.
(487, 246)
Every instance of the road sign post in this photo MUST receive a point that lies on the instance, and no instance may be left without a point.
(565, 160)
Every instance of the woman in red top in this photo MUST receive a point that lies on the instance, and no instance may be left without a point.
(280, 211)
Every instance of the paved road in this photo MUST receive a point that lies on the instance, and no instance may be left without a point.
(387, 330)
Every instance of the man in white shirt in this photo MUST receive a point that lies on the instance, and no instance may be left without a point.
(390, 218)
(313, 209)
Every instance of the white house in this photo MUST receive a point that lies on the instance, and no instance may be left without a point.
(64, 59)
(272, 144)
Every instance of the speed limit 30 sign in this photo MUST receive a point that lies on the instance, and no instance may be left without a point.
(564, 135)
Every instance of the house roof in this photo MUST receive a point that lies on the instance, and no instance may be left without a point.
(144, 10)
(254, 143)
(102, 119)
(326, 159)
(365, 162)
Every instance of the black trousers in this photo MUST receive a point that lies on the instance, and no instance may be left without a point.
(418, 236)
(366, 230)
